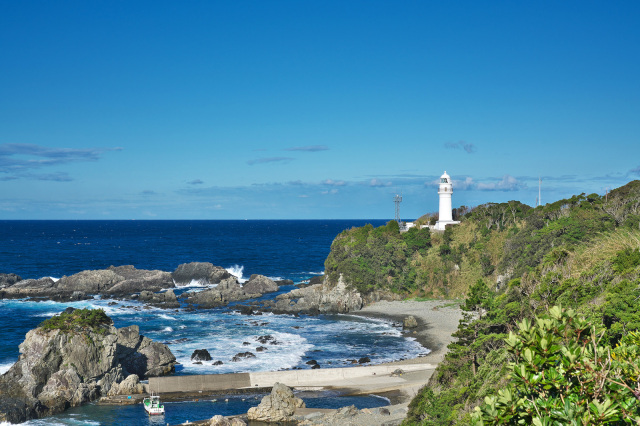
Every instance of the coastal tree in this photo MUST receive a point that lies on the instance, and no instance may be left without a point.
(564, 374)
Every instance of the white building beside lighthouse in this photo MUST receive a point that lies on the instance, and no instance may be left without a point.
(445, 190)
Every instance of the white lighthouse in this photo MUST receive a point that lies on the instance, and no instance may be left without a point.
(445, 189)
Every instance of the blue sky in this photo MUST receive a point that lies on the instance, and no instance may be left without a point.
(309, 109)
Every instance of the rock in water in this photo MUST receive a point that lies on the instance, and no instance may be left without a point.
(204, 272)
(279, 406)
(77, 357)
(260, 284)
(200, 355)
(409, 322)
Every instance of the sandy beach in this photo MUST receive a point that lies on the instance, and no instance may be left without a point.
(436, 319)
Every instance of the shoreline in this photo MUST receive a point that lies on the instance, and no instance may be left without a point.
(437, 320)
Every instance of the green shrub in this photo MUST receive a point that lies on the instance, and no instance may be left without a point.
(78, 320)
(564, 375)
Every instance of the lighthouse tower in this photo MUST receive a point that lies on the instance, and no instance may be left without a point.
(445, 189)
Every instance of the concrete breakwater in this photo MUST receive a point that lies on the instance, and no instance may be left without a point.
(367, 379)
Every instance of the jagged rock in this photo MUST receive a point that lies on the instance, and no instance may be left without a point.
(219, 420)
(165, 299)
(267, 339)
(260, 284)
(242, 355)
(318, 279)
(397, 372)
(315, 366)
(93, 282)
(122, 280)
(210, 298)
(409, 322)
(7, 280)
(284, 282)
(129, 386)
(244, 309)
(60, 369)
(228, 290)
(261, 349)
(364, 360)
(217, 363)
(203, 272)
(346, 412)
(279, 406)
(384, 411)
(201, 355)
(136, 280)
(320, 298)
(311, 362)
(29, 288)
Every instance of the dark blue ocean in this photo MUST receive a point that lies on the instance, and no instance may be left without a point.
(280, 249)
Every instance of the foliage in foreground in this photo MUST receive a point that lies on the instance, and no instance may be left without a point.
(565, 374)
(95, 320)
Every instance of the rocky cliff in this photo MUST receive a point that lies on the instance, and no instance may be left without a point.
(74, 358)
(320, 298)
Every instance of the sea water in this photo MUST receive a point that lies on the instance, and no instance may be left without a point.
(293, 250)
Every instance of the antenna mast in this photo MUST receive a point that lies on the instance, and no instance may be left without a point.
(397, 200)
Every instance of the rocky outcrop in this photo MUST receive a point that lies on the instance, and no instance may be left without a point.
(7, 280)
(94, 282)
(114, 281)
(129, 386)
(320, 298)
(279, 406)
(30, 288)
(260, 284)
(201, 355)
(202, 272)
(60, 368)
(228, 290)
(165, 299)
(409, 322)
(137, 280)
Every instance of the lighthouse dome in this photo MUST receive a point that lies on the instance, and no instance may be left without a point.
(445, 178)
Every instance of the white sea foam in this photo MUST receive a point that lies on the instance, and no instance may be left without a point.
(286, 354)
(167, 317)
(237, 271)
(167, 329)
(4, 368)
(47, 314)
(193, 283)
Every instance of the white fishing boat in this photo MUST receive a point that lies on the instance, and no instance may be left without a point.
(152, 405)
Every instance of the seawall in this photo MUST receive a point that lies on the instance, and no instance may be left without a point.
(368, 378)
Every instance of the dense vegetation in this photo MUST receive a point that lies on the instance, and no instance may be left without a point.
(78, 320)
(581, 253)
(377, 258)
(512, 264)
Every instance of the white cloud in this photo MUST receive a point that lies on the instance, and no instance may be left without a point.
(378, 183)
(508, 183)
